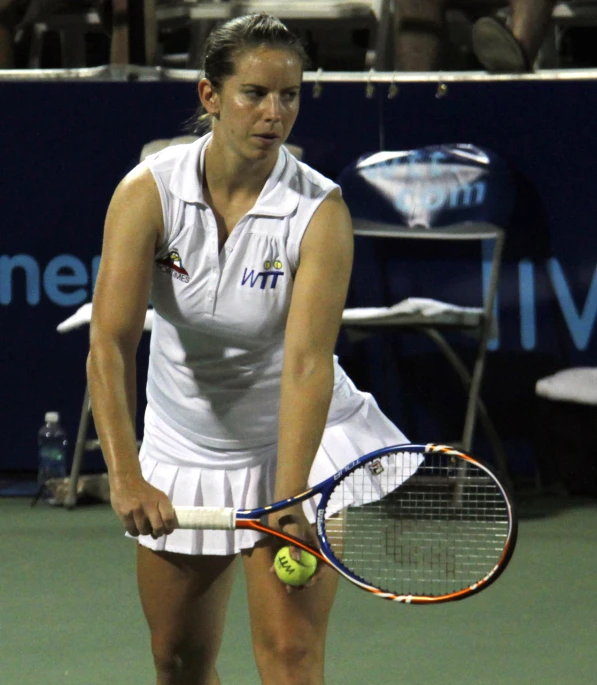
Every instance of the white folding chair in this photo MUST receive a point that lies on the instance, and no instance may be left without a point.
(200, 16)
(71, 27)
(373, 14)
(434, 194)
(83, 444)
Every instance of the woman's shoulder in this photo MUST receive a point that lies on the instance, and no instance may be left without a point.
(165, 153)
(138, 190)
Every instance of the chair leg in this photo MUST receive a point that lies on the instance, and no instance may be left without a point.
(71, 496)
(475, 405)
(384, 37)
(72, 47)
(472, 405)
(120, 42)
(36, 47)
(151, 32)
(199, 33)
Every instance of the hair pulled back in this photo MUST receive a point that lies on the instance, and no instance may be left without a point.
(235, 37)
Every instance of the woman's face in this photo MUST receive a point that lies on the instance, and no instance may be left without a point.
(256, 107)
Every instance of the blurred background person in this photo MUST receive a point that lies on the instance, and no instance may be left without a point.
(421, 35)
(513, 48)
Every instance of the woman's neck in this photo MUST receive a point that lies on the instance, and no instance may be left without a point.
(228, 173)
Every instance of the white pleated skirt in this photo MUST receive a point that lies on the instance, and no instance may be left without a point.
(247, 486)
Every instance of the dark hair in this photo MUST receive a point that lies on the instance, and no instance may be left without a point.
(236, 36)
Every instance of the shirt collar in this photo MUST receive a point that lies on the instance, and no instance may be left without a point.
(279, 196)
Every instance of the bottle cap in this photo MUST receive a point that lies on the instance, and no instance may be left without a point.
(52, 417)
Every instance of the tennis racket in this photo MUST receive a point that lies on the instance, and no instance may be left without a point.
(418, 524)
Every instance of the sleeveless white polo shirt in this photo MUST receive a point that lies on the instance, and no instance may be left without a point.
(217, 342)
(213, 389)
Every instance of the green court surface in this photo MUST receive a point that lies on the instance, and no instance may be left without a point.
(69, 611)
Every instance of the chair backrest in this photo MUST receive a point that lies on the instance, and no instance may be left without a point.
(370, 15)
(430, 187)
(454, 193)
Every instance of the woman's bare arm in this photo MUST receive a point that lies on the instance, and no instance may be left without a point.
(133, 229)
(312, 329)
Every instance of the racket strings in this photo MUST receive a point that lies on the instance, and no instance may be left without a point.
(430, 529)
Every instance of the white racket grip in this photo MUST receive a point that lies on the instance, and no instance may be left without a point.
(206, 518)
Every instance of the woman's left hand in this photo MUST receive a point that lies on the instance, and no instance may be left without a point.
(293, 521)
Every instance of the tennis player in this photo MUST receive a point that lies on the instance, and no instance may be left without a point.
(246, 254)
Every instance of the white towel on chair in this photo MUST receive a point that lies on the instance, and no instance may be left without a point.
(82, 317)
(421, 306)
(577, 385)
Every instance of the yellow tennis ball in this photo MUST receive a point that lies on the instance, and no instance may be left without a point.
(294, 572)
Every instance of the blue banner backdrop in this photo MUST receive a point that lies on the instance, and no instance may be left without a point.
(65, 146)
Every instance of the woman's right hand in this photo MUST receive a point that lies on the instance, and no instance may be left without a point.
(142, 508)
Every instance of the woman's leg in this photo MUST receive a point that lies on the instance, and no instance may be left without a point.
(419, 35)
(288, 629)
(514, 49)
(530, 19)
(184, 599)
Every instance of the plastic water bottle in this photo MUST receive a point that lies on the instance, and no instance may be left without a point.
(51, 441)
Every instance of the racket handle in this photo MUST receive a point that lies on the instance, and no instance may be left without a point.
(203, 518)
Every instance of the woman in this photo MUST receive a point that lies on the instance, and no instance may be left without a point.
(247, 256)
(420, 31)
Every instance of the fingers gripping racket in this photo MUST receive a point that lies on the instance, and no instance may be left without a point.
(418, 524)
